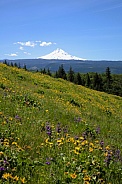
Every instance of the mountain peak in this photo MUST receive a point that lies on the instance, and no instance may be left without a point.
(60, 54)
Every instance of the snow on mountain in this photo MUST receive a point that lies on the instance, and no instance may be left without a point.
(60, 54)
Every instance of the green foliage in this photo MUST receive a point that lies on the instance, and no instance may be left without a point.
(70, 76)
(77, 79)
(61, 72)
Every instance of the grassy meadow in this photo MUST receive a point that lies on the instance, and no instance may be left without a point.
(53, 131)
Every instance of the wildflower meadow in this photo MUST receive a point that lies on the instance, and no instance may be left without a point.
(54, 131)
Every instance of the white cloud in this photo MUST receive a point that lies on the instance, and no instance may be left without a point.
(21, 48)
(33, 44)
(28, 44)
(27, 53)
(43, 44)
(12, 55)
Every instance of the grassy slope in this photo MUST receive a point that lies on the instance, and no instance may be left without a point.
(38, 99)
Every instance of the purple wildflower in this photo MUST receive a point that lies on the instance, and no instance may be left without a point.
(48, 129)
(101, 143)
(98, 130)
(17, 118)
(117, 155)
(65, 129)
(48, 163)
(108, 158)
(2, 169)
(58, 128)
(5, 162)
(77, 120)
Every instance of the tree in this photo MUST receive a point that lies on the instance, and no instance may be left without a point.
(5, 62)
(97, 82)
(70, 76)
(15, 65)
(11, 64)
(56, 74)
(24, 67)
(108, 80)
(48, 72)
(19, 66)
(61, 72)
(77, 79)
(108, 75)
(44, 71)
(88, 81)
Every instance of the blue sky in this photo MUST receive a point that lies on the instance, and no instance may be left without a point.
(90, 29)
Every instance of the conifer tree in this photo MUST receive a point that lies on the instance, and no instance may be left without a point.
(77, 79)
(15, 64)
(24, 67)
(70, 76)
(48, 72)
(88, 81)
(12, 64)
(108, 75)
(61, 72)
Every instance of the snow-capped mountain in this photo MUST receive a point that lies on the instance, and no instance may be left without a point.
(60, 55)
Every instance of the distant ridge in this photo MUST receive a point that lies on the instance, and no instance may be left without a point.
(60, 54)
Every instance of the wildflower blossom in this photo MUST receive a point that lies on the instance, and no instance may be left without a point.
(86, 178)
(58, 128)
(7, 175)
(90, 149)
(23, 180)
(73, 175)
(48, 129)
(16, 178)
(2, 169)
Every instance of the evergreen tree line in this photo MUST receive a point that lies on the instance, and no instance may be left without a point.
(106, 82)
(14, 65)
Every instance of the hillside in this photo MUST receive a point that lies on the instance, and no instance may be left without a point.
(53, 131)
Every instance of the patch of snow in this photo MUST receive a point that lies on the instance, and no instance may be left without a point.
(59, 54)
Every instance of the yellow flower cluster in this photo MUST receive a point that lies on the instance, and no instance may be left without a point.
(14, 178)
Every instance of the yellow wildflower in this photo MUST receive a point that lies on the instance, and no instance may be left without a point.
(107, 147)
(84, 171)
(71, 140)
(86, 178)
(14, 143)
(75, 151)
(86, 182)
(7, 175)
(23, 180)
(47, 140)
(59, 141)
(81, 138)
(97, 141)
(16, 178)
(77, 148)
(83, 143)
(90, 149)
(4, 122)
(73, 175)
(91, 144)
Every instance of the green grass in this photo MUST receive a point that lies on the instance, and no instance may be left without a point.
(53, 131)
